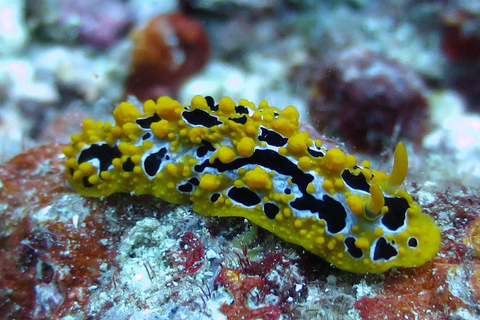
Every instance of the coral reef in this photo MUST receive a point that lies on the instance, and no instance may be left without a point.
(66, 256)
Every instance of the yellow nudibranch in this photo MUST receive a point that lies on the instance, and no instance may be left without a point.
(252, 161)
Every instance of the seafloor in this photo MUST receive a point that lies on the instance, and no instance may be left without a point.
(365, 74)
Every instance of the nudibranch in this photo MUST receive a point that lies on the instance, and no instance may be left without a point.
(253, 161)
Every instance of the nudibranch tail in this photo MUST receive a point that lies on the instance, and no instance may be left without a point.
(239, 159)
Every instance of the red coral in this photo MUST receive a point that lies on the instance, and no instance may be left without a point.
(56, 258)
(239, 286)
(266, 265)
(458, 46)
(48, 265)
(190, 254)
(166, 52)
(33, 177)
(273, 275)
(420, 293)
(461, 40)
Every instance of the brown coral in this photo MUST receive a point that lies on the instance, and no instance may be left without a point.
(166, 52)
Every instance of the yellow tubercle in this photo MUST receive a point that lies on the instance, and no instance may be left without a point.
(378, 232)
(258, 178)
(226, 154)
(168, 109)
(131, 130)
(297, 144)
(311, 188)
(246, 147)
(362, 243)
(149, 107)
(197, 134)
(160, 129)
(171, 169)
(304, 163)
(350, 161)
(125, 113)
(328, 186)
(365, 164)
(285, 127)
(198, 102)
(355, 204)
(210, 182)
(226, 106)
(335, 159)
(290, 113)
(68, 151)
(87, 168)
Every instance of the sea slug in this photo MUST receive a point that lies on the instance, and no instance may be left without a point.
(252, 161)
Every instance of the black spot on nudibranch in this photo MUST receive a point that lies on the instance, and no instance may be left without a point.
(215, 197)
(194, 181)
(412, 242)
(241, 120)
(146, 136)
(355, 181)
(203, 150)
(128, 165)
(104, 153)
(241, 110)
(315, 153)
(201, 118)
(394, 218)
(384, 250)
(329, 210)
(187, 187)
(287, 191)
(334, 214)
(272, 138)
(352, 248)
(145, 123)
(244, 196)
(153, 161)
(271, 210)
(211, 103)
(86, 183)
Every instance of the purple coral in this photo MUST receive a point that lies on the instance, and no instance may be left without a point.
(368, 98)
(97, 25)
